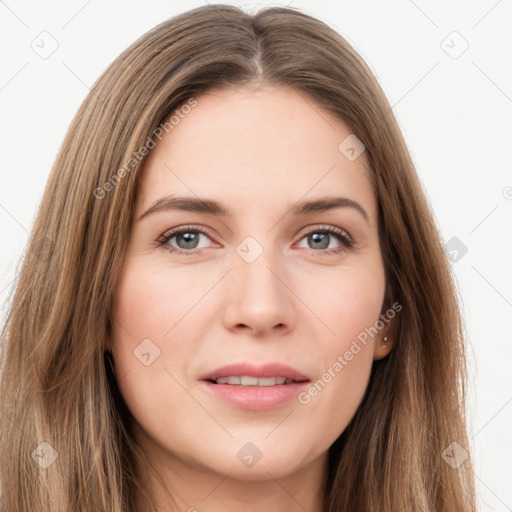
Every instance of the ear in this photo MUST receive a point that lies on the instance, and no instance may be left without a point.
(385, 340)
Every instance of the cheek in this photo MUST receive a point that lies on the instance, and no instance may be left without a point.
(150, 301)
(149, 311)
(349, 305)
(143, 310)
(348, 302)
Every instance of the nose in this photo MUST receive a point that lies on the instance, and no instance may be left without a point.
(259, 298)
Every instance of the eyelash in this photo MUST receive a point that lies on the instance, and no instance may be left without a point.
(340, 234)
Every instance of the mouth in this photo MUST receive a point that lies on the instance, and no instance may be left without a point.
(248, 374)
(248, 386)
(247, 380)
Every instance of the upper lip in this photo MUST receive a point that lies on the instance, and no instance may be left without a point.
(252, 370)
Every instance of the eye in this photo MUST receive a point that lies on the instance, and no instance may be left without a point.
(320, 238)
(186, 238)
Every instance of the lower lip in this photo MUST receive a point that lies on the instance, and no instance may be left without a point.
(256, 398)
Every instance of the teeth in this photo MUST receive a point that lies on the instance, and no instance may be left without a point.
(254, 381)
(249, 381)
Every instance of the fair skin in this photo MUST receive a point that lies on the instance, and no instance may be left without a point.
(257, 151)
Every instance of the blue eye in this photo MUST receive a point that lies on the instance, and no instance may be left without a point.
(321, 238)
(188, 240)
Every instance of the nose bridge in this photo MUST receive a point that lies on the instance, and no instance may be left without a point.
(256, 265)
(258, 297)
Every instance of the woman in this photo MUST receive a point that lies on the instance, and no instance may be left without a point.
(235, 295)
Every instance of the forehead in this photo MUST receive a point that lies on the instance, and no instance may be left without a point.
(254, 146)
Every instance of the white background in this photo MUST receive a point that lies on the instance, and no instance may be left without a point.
(455, 113)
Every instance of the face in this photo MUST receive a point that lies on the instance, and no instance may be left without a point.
(218, 304)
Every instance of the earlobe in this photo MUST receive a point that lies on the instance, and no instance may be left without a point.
(385, 341)
(382, 347)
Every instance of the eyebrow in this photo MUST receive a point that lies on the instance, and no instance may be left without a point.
(211, 207)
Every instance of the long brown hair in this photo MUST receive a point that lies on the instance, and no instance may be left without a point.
(56, 382)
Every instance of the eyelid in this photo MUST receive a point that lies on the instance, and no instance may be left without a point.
(189, 227)
(325, 227)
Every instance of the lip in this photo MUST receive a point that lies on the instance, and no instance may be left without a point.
(256, 398)
(252, 370)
